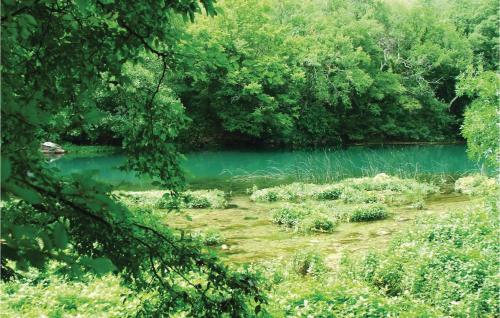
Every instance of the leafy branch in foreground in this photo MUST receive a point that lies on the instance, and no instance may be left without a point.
(89, 229)
(54, 54)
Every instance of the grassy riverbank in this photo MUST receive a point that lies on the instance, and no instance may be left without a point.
(90, 150)
(320, 250)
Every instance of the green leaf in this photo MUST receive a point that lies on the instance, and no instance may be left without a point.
(257, 309)
(6, 169)
(29, 19)
(60, 236)
(82, 5)
(27, 194)
(101, 265)
(36, 258)
(93, 116)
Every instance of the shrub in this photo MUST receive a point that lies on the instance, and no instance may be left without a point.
(369, 212)
(210, 237)
(200, 199)
(449, 263)
(290, 215)
(350, 195)
(196, 202)
(418, 205)
(318, 222)
(308, 263)
(290, 192)
(170, 202)
(303, 218)
(383, 274)
(476, 185)
(329, 193)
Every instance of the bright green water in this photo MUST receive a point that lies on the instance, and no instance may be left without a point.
(235, 169)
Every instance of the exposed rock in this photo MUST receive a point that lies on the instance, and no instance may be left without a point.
(50, 147)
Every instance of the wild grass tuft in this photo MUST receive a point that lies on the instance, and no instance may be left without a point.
(308, 262)
(369, 212)
(211, 237)
(304, 218)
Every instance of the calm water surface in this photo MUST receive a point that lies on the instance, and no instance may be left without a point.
(209, 168)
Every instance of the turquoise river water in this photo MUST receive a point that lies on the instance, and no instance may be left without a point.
(236, 169)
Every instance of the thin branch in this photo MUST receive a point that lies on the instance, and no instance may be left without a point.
(452, 101)
(142, 39)
(149, 104)
(68, 203)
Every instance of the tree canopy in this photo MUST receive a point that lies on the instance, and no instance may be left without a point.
(315, 74)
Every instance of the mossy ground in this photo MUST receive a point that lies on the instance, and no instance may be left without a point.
(251, 236)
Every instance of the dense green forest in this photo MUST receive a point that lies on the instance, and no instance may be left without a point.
(305, 74)
(159, 78)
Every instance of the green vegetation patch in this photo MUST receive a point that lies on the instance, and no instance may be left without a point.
(56, 297)
(382, 182)
(352, 195)
(303, 218)
(308, 262)
(211, 237)
(350, 300)
(476, 185)
(449, 263)
(139, 199)
(369, 212)
(199, 199)
(381, 188)
(291, 192)
(442, 266)
(89, 150)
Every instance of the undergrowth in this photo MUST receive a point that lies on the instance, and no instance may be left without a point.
(198, 199)
(443, 266)
(381, 188)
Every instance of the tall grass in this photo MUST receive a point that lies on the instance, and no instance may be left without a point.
(329, 167)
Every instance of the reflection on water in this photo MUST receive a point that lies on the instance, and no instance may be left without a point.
(209, 168)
